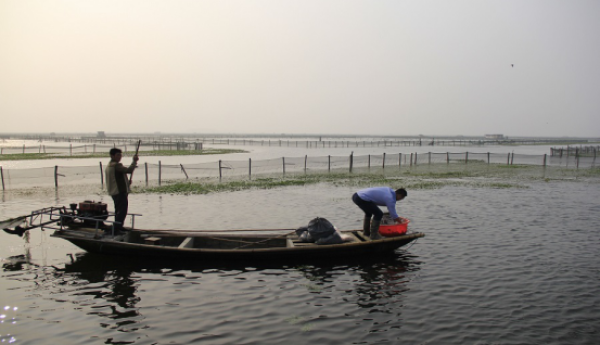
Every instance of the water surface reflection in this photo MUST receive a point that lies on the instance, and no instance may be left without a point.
(498, 265)
(135, 299)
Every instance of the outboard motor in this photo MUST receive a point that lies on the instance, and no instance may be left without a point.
(91, 209)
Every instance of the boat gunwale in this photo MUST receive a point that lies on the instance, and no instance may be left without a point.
(307, 248)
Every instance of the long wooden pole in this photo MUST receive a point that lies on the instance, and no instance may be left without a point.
(101, 175)
(136, 153)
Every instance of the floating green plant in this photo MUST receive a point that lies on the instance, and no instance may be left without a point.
(336, 179)
(294, 320)
(307, 327)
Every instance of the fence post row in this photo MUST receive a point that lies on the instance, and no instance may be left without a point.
(510, 161)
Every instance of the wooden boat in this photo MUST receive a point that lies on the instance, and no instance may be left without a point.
(94, 235)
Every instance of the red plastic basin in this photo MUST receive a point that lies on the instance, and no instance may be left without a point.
(394, 230)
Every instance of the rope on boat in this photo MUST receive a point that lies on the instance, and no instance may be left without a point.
(208, 231)
(247, 243)
(244, 243)
(268, 239)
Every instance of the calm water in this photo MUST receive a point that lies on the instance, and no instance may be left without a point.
(498, 266)
(257, 152)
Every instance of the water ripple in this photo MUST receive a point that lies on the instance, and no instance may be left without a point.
(497, 266)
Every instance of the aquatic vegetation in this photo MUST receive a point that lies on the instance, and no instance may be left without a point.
(34, 156)
(425, 180)
(593, 172)
(209, 187)
(295, 320)
(26, 156)
(306, 327)
(313, 288)
(440, 174)
(511, 166)
(189, 153)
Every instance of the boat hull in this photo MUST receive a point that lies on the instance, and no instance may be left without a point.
(289, 250)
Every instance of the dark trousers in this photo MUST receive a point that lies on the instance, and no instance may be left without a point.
(121, 206)
(369, 208)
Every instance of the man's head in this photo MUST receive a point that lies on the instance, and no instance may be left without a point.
(401, 194)
(116, 154)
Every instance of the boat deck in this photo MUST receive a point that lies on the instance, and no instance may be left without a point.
(288, 241)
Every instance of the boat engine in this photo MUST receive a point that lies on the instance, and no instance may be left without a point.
(91, 209)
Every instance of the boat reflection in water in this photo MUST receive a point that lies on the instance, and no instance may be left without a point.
(135, 295)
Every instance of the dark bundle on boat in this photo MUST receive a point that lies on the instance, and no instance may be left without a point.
(320, 231)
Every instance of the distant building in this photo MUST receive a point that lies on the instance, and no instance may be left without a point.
(101, 134)
(494, 136)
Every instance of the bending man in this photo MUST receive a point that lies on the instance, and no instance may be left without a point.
(369, 201)
(117, 184)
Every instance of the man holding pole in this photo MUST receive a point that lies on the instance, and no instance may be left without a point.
(117, 184)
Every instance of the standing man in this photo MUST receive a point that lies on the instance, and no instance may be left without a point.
(117, 184)
(369, 201)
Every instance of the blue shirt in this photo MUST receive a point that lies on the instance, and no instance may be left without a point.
(381, 196)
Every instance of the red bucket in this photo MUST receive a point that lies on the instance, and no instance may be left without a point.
(394, 230)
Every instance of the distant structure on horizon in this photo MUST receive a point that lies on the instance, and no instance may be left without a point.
(494, 136)
(101, 134)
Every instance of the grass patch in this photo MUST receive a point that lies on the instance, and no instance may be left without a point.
(189, 153)
(514, 166)
(335, 179)
(34, 156)
(25, 156)
(230, 186)
(590, 172)
(440, 174)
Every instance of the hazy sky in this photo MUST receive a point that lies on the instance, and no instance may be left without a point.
(435, 67)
